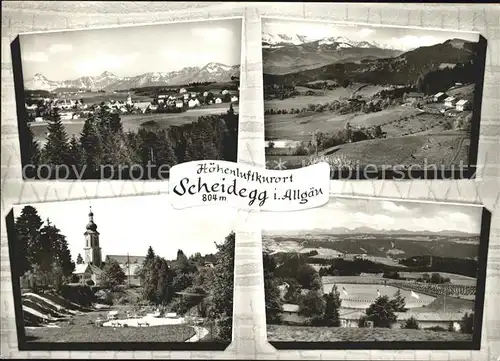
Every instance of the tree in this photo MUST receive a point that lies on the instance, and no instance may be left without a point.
(308, 277)
(112, 275)
(312, 304)
(467, 323)
(91, 145)
(332, 307)
(271, 290)
(56, 150)
(79, 259)
(381, 312)
(27, 227)
(75, 152)
(221, 309)
(411, 324)
(399, 302)
(63, 256)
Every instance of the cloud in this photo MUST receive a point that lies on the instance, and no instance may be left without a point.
(60, 48)
(35, 57)
(104, 62)
(215, 35)
(365, 32)
(408, 42)
(393, 207)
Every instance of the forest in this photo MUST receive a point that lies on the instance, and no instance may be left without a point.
(103, 144)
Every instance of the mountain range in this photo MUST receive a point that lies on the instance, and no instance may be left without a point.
(294, 64)
(211, 72)
(370, 231)
(283, 53)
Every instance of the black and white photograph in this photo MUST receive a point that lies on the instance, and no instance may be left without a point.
(376, 273)
(107, 275)
(385, 100)
(106, 103)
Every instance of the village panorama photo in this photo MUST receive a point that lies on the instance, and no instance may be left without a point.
(127, 102)
(365, 272)
(107, 274)
(372, 101)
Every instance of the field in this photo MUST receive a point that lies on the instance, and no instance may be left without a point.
(442, 149)
(412, 135)
(132, 122)
(335, 334)
(363, 295)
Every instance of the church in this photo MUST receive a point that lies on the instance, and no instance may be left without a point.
(90, 270)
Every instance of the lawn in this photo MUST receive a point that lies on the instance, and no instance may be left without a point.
(341, 334)
(90, 333)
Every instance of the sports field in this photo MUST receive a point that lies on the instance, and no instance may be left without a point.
(363, 295)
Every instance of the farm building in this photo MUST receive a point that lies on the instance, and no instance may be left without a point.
(186, 96)
(182, 90)
(234, 99)
(431, 319)
(290, 314)
(193, 103)
(350, 318)
(205, 94)
(179, 103)
(194, 95)
(218, 100)
(463, 105)
(66, 115)
(224, 92)
(450, 102)
(85, 272)
(438, 97)
(414, 97)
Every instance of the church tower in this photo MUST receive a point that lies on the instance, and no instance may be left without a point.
(92, 250)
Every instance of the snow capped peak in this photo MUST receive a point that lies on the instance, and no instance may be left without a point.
(107, 74)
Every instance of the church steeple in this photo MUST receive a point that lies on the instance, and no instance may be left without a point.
(92, 250)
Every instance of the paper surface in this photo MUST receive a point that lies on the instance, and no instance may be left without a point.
(202, 183)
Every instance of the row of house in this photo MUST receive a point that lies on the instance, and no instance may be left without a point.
(448, 101)
(290, 314)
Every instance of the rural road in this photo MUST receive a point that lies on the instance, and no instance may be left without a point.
(200, 333)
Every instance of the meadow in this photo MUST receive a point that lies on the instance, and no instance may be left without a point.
(132, 122)
(344, 334)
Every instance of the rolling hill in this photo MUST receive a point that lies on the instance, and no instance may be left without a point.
(282, 58)
(365, 65)
(213, 72)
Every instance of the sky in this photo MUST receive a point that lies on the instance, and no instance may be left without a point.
(391, 37)
(130, 51)
(378, 214)
(132, 224)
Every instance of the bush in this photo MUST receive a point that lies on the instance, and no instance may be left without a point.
(437, 329)
(363, 322)
(467, 323)
(411, 324)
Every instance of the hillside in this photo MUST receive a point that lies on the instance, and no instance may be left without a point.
(212, 72)
(393, 246)
(291, 57)
(402, 69)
